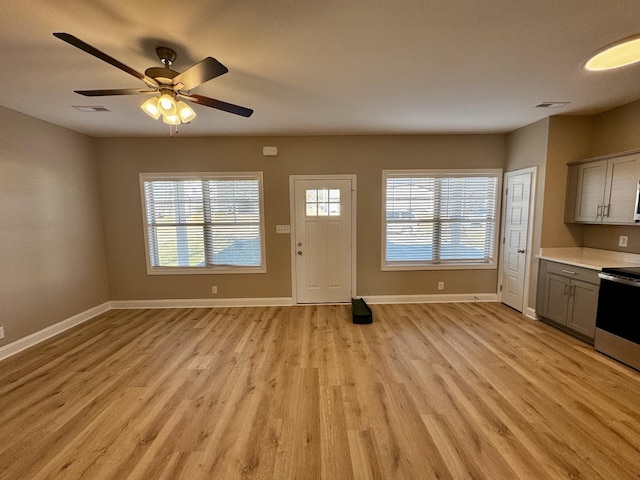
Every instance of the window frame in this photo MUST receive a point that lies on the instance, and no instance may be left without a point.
(440, 265)
(205, 269)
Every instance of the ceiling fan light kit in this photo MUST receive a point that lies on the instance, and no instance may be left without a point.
(185, 112)
(150, 107)
(167, 85)
(167, 104)
(619, 54)
(171, 119)
(172, 112)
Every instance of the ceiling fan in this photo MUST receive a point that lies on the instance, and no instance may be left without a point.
(167, 85)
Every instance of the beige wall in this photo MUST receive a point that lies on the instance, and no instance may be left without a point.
(527, 147)
(54, 245)
(569, 140)
(53, 263)
(615, 131)
(121, 160)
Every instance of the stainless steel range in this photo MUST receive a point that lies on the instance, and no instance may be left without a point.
(617, 321)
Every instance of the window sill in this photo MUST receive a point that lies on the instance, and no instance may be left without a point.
(204, 271)
(440, 266)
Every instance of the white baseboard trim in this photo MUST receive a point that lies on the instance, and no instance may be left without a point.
(203, 303)
(437, 298)
(52, 330)
(531, 313)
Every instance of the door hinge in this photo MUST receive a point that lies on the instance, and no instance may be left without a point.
(500, 288)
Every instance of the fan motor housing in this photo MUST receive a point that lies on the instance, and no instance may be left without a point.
(167, 55)
(161, 75)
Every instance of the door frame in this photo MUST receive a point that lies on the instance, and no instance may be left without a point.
(530, 224)
(292, 221)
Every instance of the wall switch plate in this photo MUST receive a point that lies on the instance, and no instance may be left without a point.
(1, 333)
(440, 285)
(214, 289)
(283, 228)
(622, 241)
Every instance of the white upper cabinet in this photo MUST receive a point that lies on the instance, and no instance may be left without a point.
(590, 193)
(621, 186)
(603, 191)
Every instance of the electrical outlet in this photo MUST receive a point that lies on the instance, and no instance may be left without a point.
(214, 289)
(440, 285)
(622, 241)
(1, 333)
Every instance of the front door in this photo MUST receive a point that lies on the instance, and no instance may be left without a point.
(322, 239)
(515, 238)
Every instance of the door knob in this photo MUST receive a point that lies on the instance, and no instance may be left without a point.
(299, 252)
(521, 250)
(299, 244)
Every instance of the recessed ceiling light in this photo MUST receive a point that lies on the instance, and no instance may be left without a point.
(619, 54)
(552, 104)
(91, 108)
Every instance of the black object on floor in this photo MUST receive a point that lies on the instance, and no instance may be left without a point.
(361, 311)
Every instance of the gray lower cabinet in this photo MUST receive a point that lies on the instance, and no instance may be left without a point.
(568, 297)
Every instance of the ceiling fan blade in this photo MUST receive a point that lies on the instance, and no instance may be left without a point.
(199, 73)
(76, 42)
(119, 91)
(219, 104)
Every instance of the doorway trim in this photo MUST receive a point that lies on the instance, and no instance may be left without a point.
(530, 226)
(292, 221)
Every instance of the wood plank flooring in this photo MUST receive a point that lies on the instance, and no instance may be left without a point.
(427, 391)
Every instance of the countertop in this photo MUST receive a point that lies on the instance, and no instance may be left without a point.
(592, 258)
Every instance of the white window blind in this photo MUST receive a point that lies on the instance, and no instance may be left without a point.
(208, 222)
(439, 219)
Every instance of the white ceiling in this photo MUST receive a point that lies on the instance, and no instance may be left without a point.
(321, 67)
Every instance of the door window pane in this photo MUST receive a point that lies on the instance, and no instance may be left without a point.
(323, 202)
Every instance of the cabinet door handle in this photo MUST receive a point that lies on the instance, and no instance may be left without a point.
(599, 211)
(605, 210)
(568, 272)
(567, 289)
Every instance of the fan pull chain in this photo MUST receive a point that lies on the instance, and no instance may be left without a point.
(171, 130)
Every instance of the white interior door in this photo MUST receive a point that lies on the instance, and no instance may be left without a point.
(515, 238)
(322, 240)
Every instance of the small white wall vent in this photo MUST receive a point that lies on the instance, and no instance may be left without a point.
(270, 151)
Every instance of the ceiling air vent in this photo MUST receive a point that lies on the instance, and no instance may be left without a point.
(91, 108)
(552, 104)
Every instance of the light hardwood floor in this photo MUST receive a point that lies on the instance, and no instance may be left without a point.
(432, 391)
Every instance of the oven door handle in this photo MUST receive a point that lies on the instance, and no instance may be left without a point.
(616, 279)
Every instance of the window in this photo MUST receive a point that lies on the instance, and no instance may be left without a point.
(440, 219)
(203, 223)
(322, 202)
